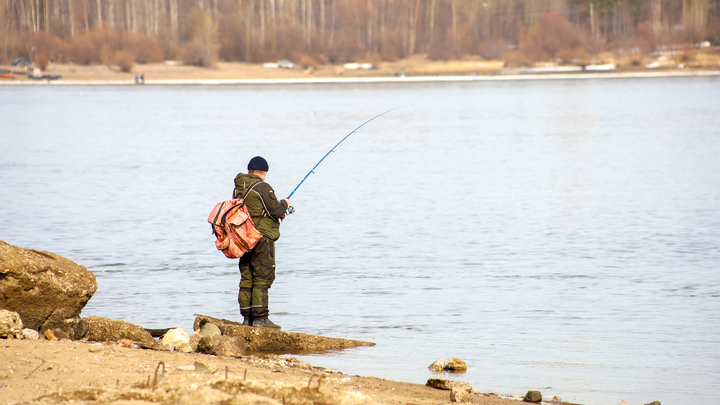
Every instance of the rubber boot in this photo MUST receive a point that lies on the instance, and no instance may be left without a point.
(247, 321)
(265, 323)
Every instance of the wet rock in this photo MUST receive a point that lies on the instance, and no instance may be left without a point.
(176, 337)
(30, 334)
(533, 396)
(624, 403)
(11, 325)
(209, 329)
(654, 403)
(47, 290)
(101, 329)
(221, 346)
(455, 365)
(557, 398)
(273, 340)
(437, 366)
(448, 384)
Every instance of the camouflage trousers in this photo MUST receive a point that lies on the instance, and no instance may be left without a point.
(257, 273)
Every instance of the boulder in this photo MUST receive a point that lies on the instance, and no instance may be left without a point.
(448, 384)
(45, 289)
(174, 337)
(437, 366)
(101, 329)
(273, 340)
(209, 329)
(11, 325)
(653, 403)
(455, 365)
(533, 396)
(221, 346)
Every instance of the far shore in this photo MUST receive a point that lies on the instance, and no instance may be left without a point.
(234, 73)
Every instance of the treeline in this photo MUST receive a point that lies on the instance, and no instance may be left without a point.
(337, 31)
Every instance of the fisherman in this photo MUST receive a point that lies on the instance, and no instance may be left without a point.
(257, 267)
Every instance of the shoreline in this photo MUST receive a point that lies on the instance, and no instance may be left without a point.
(371, 79)
(41, 371)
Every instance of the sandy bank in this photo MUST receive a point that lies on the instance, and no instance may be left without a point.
(233, 73)
(37, 371)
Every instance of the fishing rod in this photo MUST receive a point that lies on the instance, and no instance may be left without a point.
(290, 210)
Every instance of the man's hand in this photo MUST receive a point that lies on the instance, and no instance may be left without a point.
(287, 200)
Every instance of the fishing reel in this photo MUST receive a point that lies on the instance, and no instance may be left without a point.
(290, 210)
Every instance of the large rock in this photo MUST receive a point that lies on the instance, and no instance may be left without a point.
(11, 325)
(47, 290)
(221, 345)
(441, 384)
(456, 365)
(101, 329)
(273, 340)
(437, 366)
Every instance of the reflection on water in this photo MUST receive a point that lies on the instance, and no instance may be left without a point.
(552, 234)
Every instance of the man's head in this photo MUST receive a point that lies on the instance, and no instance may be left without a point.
(258, 166)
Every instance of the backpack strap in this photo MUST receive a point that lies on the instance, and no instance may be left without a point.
(250, 188)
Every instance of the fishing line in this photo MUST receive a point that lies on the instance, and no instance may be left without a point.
(290, 210)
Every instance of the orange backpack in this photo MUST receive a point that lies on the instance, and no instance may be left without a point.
(233, 228)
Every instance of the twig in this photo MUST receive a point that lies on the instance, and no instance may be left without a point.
(36, 368)
(156, 374)
(245, 377)
(319, 379)
(226, 372)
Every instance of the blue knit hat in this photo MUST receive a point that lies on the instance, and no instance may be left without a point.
(258, 163)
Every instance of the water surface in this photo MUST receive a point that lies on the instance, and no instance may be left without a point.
(561, 236)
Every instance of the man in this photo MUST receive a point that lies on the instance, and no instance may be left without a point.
(257, 267)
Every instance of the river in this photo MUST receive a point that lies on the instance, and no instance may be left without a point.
(561, 236)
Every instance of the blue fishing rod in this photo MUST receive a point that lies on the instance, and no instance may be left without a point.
(290, 210)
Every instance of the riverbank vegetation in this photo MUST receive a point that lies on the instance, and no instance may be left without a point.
(321, 32)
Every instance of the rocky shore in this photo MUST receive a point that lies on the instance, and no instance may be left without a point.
(49, 354)
(65, 371)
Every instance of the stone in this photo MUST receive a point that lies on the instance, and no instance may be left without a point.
(221, 346)
(533, 396)
(30, 334)
(455, 365)
(624, 403)
(437, 366)
(47, 290)
(101, 329)
(653, 403)
(209, 330)
(460, 394)
(274, 340)
(55, 334)
(11, 325)
(194, 340)
(175, 337)
(184, 348)
(293, 362)
(448, 384)
(557, 398)
(201, 367)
